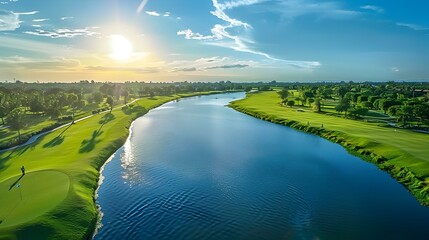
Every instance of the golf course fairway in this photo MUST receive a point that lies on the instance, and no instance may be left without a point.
(34, 194)
(62, 172)
(403, 153)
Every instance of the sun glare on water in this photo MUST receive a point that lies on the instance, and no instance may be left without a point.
(121, 48)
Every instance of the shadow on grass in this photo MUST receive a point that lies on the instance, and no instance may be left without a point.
(89, 144)
(134, 109)
(54, 142)
(16, 182)
(58, 139)
(107, 118)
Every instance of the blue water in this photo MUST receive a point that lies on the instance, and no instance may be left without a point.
(195, 169)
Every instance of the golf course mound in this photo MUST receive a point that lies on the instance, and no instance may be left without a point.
(23, 198)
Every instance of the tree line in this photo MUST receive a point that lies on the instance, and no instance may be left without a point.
(60, 101)
(407, 103)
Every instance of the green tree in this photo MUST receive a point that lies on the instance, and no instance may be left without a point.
(53, 113)
(343, 106)
(299, 99)
(15, 120)
(36, 104)
(73, 98)
(97, 97)
(317, 107)
(3, 113)
(341, 91)
(385, 104)
(284, 94)
(290, 103)
(310, 101)
(107, 89)
(393, 110)
(306, 95)
(125, 94)
(366, 104)
(248, 89)
(358, 111)
(421, 111)
(405, 114)
(109, 101)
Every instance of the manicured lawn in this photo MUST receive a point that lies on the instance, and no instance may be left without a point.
(26, 198)
(403, 148)
(62, 172)
(38, 122)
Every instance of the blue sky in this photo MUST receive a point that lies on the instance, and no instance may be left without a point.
(208, 40)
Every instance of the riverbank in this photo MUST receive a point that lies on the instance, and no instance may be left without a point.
(55, 199)
(401, 153)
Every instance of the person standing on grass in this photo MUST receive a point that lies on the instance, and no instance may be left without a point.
(23, 170)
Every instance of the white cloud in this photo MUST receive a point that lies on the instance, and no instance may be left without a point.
(66, 18)
(220, 11)
(40, 20)
(221, 34)
(30, 63)
(153, 13)
(191, 35)
(191, 69)
(205, 64)
(373, 8)
(36, 25)
(7, 2)
(9, 21)
(291, 9)
(229, 66)
(64, 33)
(395, 69)
(125, 69)
(38, 46)
(157, 14)
(412, 26)
(26, 13)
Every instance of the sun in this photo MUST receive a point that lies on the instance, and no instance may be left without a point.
(121, 48)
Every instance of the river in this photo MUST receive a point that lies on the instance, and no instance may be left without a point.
(196, 169)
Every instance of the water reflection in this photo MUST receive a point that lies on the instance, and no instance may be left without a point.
(130, 172)
(195, 169)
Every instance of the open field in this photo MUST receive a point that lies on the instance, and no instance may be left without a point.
(403, 153)
(55, 199)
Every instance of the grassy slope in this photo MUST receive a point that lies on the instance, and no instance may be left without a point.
(36, 123)
(406, 152)
(78, 151)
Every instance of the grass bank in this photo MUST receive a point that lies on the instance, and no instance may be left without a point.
(55, 198)
(402, 153)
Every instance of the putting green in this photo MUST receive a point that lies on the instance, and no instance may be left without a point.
(38, 193)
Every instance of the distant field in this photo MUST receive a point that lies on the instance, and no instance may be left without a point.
(403, 148)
